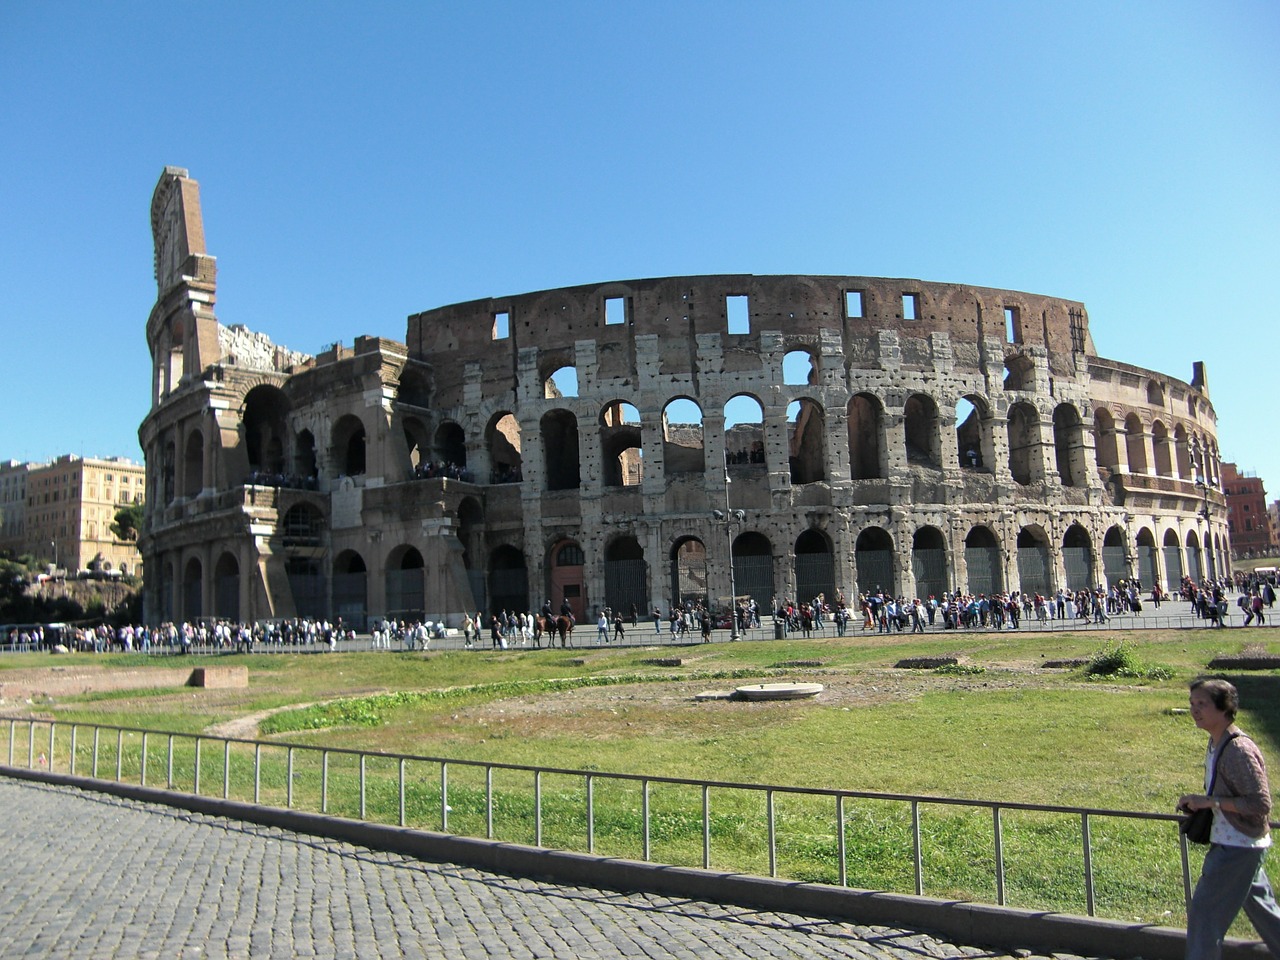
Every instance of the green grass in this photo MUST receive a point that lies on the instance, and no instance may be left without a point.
(999, 729)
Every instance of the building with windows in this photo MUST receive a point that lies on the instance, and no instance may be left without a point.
(1247, 515)
(633, 443)
(67, 508)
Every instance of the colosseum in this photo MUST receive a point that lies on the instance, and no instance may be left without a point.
(643, 442)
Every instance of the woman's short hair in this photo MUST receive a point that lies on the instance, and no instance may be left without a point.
(1223, 694)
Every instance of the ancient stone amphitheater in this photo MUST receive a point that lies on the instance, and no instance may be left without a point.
(634, 443)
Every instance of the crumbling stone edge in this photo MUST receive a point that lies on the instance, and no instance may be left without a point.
(964, 922)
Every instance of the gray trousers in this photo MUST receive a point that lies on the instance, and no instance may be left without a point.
(1233, 877)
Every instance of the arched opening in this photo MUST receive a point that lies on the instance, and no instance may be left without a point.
(192, 575)
(193, 465)
(350, 590)
(1155, 394)
(1211, 547)
(560, 450)
(815, 567)
(982, 561)
(307, 585)
(621, 445)
(451, 445)
(563, 382)
(1182, 452)
(567, 580)
(1135, 445)
(929, 562)
(866, 417)
(689, 572)
(626, 576)
(1115, 556)
(168, 467)
(1077, 558)
(683, 450)
(406, 584)
(1035, 575)
(873, 561)
(502, 437)
(807, 431)
(1104, 439)
(1068, 445)
(226, 588)
(974, 440)
(1160, 449)
(1195, 568)
(744, 432)
(415, 387)
(266, 409)
(415, 439)
(304, 459)
(799, 368)
(1019, 373)
(508, 581)
(1172, 561)
(753, 568)
(1148, 566)
(922, 426)
(302, 525)
(349, 446)
(1024, 443)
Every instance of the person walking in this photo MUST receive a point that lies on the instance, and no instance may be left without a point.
(1236, 789)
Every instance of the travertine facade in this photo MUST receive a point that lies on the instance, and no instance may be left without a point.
(913, 436)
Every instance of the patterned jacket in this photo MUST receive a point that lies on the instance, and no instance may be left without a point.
(1242, 776)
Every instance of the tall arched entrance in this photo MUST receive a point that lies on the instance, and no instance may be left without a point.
(405, 584)
(982, 561)
(689, 572)
(566, 578)
(815, 567)
(626, 576)
(873, 561)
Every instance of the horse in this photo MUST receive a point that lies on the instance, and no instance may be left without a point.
(562, 625)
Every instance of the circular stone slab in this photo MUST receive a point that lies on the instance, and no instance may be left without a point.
(713, 695)
(779, 691)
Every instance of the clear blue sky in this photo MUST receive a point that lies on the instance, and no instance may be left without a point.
(361, 162)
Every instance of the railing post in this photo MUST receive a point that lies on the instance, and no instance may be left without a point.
(773, 833)
(226, 769)
(918, 856)
(841, 852)
(31, 744)
(488, 803)
(362, 803)
(706, 826)
(75, 729)
(444, 797)
(289, 785)
(119, 754)
(537, 808)
(168, 767)
(402, 766)
(52, 727)
(1086, 839)
(13, 732)
(999, 839)
(257, 771)
(142, 773)
(591, 814)
(96, 731)
(324, 781)
(196, 786)
(644, 815)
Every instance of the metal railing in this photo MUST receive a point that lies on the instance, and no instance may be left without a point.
(737, 833)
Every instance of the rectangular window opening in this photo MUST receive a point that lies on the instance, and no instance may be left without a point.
(615, 311)
(501, 325)
(853, 304)
(1013, 324)
(911, 306)
(739, 314)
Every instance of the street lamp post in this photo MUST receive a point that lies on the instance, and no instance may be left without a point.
(728, 517)
(1203, 487)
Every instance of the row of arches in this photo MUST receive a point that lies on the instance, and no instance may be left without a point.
(623, 577)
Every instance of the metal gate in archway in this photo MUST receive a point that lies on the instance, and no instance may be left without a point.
(930, 570)
(1078, 564)
(1147, 565)
(815, 574)
(626, 585)
(983, 564)
(753, 577)
(349, 598)
(875, 570)
(1173, 569)
(405, 594)
(689, 577)
(1033, 570)
(1114, 566)
(226, 597)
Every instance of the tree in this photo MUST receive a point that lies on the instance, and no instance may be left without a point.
(128, 522)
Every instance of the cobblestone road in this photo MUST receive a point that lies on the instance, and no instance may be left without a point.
(87, 875)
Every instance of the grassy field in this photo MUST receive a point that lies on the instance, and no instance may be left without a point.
(1003, 728)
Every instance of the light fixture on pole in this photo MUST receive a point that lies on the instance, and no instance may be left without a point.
(728, 517)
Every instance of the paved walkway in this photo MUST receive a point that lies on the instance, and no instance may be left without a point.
(87, 875)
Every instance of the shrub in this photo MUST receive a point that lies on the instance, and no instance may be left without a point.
(1121, 661)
